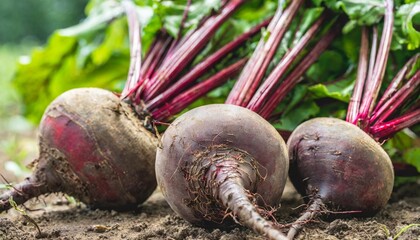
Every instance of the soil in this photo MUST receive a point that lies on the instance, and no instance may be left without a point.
(60, 217)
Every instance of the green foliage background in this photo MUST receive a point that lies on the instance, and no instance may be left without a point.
(35, 20)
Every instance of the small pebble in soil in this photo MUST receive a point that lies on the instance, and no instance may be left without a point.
(99, 228)
(114, 213)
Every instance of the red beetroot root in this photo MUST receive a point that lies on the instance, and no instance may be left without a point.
(340, 166)
(92, 147)
(223, 160)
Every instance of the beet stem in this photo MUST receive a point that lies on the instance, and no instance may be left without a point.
(202, 68)
(151, 52)
(312, 212)
(362, 69)
(256, 67)
(156, 60)
(152, 62)
(187, 97)
(183, 55)
(175, 43)
(202, 21)
(294, 77)
(395, 83)
(373, 84)
(159, 53)
(396, 100)
(265, 90)
(135, 47)
(373, 50)
(386, 130)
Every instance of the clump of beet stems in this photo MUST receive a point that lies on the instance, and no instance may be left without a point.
(339, 164)
(224, 160)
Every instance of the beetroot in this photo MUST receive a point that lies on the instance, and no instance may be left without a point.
(339, 165)
(92, 146)
(220, 160)
(340, 168)
(337, 162)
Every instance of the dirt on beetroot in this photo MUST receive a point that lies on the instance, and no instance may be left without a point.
(58, 217)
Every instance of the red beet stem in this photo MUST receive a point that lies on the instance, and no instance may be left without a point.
(202, 68)
(264, 92)
(181, 27)
(294, 77)
(396, 100)
(312, 212)
(383, 131)
(135, 47)
(187, 97)
(362, 68)
(256, 67)
(373, 50)
(157, 55)
(153, 60)
(373, 84)
(393, 86)
(199, 25)
(157, 60)
(185, 53)
(151, 52)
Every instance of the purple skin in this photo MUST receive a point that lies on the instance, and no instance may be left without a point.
(339, 167)
(92, 147)
(342, 164)
(223, 160)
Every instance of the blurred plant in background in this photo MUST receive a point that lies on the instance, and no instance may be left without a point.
(34, 20)
(24, 25)
(12, 123)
